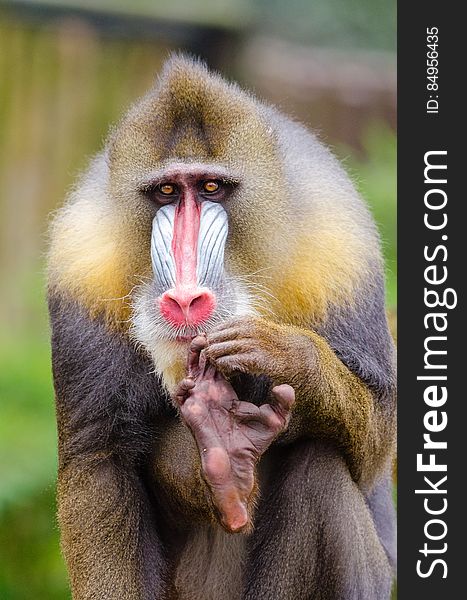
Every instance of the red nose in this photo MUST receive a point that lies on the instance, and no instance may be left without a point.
(187, 307)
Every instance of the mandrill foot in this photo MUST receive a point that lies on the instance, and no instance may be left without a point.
(231, 435)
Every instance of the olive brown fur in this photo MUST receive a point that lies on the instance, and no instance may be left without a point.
(302, 304)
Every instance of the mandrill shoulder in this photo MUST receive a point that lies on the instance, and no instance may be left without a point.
(334, 251)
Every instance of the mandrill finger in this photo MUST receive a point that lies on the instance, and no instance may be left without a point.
(244, 363)
(245, 411)
(197, 345)
(283, 398)
(265, 414)
(233, 332)
(206, 368)
(183, 390)
(218, 349)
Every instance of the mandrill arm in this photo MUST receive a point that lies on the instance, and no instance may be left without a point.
(332, 403)
(107, 400)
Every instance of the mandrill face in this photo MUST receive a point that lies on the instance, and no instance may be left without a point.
(191, 290)
(187, 251)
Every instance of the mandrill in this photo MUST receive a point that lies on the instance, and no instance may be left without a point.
(223, 370)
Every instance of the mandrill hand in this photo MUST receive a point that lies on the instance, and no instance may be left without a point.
(260, 347)
(231, 435)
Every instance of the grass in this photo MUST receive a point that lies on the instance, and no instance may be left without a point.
(31, 565)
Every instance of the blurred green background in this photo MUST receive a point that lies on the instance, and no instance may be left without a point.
(68, 69)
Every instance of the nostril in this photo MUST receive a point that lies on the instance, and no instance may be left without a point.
(201, 307)
(173, 305)
(171, 309)
(196, 302)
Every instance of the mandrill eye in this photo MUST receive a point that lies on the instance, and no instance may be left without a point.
(162, 193)
(167, 189)
(216, 190)
(210, 187)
